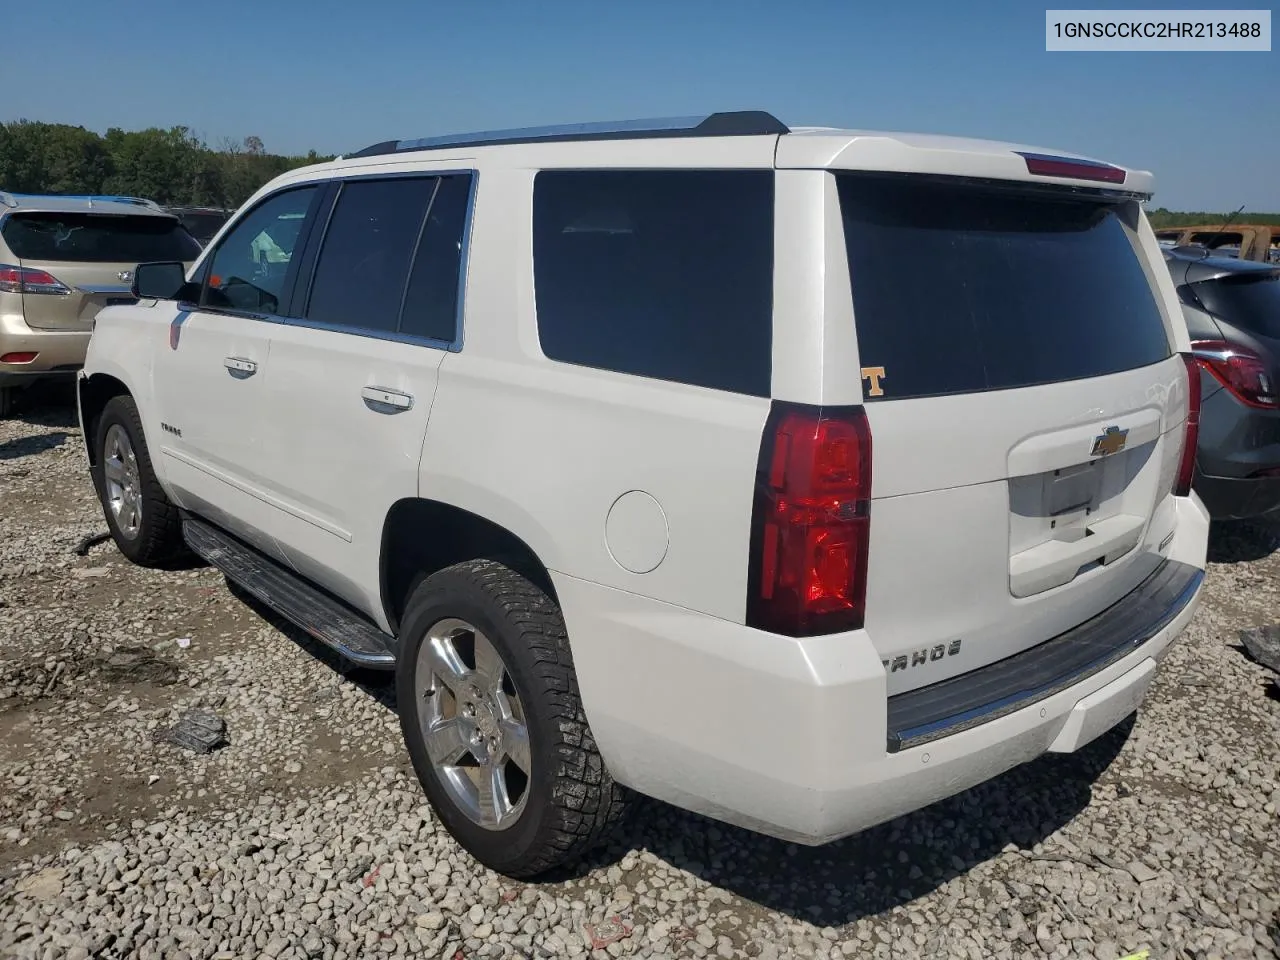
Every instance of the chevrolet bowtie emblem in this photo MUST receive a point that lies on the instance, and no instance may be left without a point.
(1111, 440)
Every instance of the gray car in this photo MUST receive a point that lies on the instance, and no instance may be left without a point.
(1232, 309)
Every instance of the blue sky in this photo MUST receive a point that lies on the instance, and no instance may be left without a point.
(338, 76)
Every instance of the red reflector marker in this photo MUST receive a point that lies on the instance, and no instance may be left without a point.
(811, 521)
(19, 357)
(1046, 166)
(1187, 465)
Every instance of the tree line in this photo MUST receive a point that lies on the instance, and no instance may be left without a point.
(1161, 218)
(175, 166)
(172, 167)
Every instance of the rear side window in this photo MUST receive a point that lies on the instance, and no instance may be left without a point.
(390, 260)
(97, 238)
(665, 274)
(368, 248)
(1251, 303)
(431, 301)
(960, 287)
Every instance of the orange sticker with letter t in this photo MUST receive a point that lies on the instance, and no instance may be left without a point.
(874, 375)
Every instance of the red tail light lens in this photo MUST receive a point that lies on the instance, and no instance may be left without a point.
(811, 521)
(1187, 465)
(1047, 166)
(22, 356)
(1240, 370)
(26, 280)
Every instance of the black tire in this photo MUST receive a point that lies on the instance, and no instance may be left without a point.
(572, 802)
(8, 399)
(158, 539)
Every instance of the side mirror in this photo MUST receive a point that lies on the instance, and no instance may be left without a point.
(162, 281)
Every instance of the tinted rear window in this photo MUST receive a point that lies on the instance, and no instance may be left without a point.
(959, 287)
(666, 274)
(1249, 302)
(97, 238)
(368, 249)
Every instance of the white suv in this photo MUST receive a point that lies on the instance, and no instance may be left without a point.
(800, 478)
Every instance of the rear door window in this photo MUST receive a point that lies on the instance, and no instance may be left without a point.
(430, 308)
(666, 274)
(98, 238)
(1249, 302)
(368, 248)
(960, 287)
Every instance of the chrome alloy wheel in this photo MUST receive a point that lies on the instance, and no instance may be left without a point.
(473, 723)
(124, 488)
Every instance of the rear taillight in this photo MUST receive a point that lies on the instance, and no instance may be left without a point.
(1240, 370)
(21, 356)
(811, 521)
(27, 280)
(1187, 465)
(1073, 167)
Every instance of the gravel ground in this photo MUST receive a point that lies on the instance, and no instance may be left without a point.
(307, 835)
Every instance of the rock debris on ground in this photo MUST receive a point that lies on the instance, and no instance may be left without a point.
(307, 836)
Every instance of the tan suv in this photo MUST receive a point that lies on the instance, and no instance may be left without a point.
(62, 259)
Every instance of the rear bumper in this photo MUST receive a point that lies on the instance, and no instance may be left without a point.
(788, 737)
(1237, 443)
(57, 352)
(1231, 498)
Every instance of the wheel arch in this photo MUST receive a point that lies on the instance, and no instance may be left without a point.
(93, 393)
(422, 536)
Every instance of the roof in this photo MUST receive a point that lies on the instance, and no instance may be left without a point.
(743, 138)
(54, 203)
(1187, 266)
(743, 123)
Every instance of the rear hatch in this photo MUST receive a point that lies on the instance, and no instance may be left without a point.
(1247, 298)
(1027, 412)
(91, 257)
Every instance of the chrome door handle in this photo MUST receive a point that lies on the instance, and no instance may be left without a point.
(240, 367)
(382, 400)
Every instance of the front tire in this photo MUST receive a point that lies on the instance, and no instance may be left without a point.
(493, 721)
(143, 522)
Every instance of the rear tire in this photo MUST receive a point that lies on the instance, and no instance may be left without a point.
(8, 399)
(143, 522)
(480, 626)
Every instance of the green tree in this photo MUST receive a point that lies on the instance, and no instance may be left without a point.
(52, 158)
(172, 166)
(162, 165)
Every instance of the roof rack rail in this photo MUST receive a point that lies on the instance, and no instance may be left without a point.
(110, 198)
(12, 199)
(742, 123)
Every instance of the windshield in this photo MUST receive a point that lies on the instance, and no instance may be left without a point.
(960, 287)
(98, 238)
(1249, 301)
